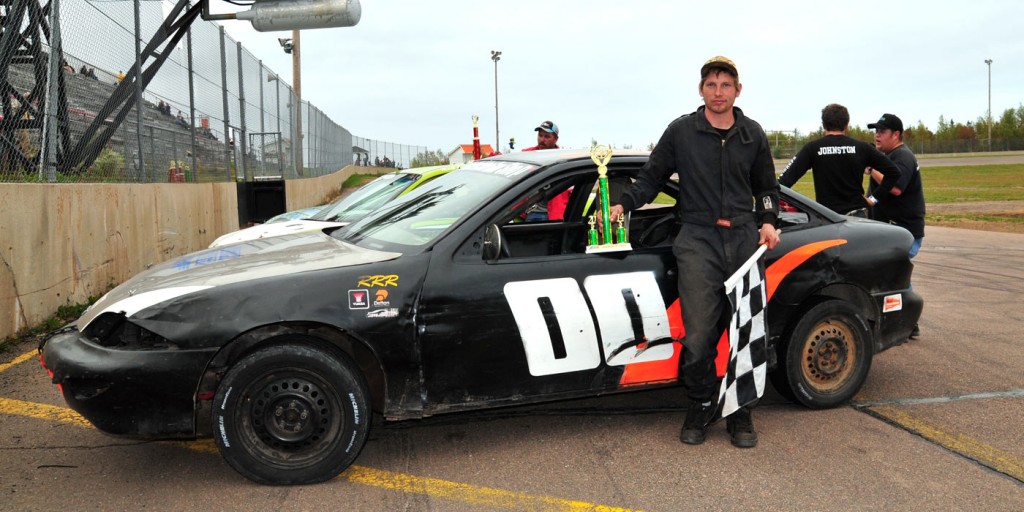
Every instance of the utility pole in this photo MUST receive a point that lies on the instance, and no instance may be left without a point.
(496, 56)
(989, 62)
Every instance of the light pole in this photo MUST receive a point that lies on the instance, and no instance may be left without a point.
(291, 46)
(989, 62)
(496, 56)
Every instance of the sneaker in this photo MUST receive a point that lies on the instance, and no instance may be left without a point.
(741, 427)
(695, 427)
(915, 332)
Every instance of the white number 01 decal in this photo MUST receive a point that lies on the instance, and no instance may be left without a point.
(575, 347)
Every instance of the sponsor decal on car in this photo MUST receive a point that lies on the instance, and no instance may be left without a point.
(507, 169)
(383, 313)
(532, 302)
(378, 281)
(207, 257)
(380, 299)
(359, 299)
(892, 303)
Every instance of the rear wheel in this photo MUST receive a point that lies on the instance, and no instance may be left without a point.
(826, 358)
(291, 414)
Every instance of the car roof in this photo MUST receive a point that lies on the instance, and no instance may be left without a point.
(431, 170)
(547, 157)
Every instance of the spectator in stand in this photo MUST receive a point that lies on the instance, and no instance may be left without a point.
(120, 76)
(67, 67)
(83, 70)
(92, 74)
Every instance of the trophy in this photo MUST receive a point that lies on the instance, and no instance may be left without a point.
(608, 239)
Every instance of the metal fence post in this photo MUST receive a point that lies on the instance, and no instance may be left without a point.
(224, 95)
(192, 110)
(138, 89)
(242, 166)
(48, 149)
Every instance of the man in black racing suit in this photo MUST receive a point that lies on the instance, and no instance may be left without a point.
(728, 202)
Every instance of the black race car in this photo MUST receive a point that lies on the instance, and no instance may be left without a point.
(447, 300)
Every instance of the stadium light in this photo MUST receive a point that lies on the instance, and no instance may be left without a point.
(274, 15)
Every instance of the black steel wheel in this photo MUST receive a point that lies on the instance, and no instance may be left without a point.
(826, 357)
(291, 414)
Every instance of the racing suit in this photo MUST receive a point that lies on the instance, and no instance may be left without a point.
(727, 190)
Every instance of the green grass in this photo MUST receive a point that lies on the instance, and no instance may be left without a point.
(357, 180)
(63, 316)
(953, 217)
(958, 184)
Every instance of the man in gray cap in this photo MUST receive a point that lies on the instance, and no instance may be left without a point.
(547, 138)
(728, 203)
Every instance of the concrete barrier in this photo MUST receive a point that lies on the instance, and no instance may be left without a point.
(62, 243)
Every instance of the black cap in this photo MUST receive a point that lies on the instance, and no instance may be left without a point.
(888, 121)
(547, 126)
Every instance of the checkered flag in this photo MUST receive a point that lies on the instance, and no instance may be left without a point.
(748, 338)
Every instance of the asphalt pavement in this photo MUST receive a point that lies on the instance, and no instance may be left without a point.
(936, 427)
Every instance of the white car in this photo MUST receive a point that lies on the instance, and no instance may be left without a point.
(351, 207)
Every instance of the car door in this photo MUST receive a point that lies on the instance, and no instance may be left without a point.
(544, 319)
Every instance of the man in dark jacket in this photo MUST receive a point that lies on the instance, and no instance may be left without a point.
(839, 164)
(904, 207)
(728, 203)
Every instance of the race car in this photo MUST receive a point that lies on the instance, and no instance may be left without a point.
(445, 300)
(360, 202)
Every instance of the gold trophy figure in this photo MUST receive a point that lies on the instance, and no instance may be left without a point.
(601, 155)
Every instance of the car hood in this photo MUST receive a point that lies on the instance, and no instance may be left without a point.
(274, 229)
(247, 261)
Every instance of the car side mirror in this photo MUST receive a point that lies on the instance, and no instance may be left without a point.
(492, 242)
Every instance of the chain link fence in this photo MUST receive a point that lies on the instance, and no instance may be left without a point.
(207, 109)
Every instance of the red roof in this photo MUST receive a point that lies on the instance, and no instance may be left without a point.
(485, 149)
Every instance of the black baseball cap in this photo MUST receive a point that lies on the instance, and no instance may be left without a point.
(547, 126)
(887, 121)
(719, 62)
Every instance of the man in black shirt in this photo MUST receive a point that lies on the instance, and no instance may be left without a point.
(839, 164)
(905, 206)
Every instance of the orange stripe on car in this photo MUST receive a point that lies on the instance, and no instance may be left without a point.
(667, 370)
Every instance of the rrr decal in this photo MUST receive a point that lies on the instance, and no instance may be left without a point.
(630, 315)
(378, 281)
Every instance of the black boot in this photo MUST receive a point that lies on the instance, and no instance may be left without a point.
(695, 427)
(915, 332)
(741, 427)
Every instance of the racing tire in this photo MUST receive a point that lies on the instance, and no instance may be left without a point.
(291, 414)
(825, 359)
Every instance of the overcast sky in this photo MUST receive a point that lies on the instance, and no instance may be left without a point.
(414, 72)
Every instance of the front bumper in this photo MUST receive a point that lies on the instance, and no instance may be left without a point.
(894, 326)
(149, 394)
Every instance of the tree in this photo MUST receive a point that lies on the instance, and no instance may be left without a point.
(427, 159)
